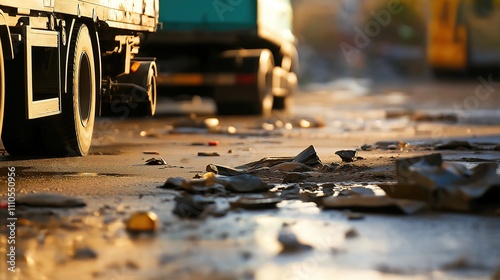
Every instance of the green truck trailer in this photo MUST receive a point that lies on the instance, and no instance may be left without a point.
(241, 52)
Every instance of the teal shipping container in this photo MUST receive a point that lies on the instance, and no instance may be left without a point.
(271, 19)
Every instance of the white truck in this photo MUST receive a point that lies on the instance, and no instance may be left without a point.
(64, 62)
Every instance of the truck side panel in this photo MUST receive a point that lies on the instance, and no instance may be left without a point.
(218, 15)
(124, 14)
(38, 5)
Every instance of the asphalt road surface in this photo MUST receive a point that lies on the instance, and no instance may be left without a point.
(91, 242)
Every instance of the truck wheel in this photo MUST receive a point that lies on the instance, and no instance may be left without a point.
(255, 98)
(283, 102)
(263, 102)
(147, 107)
(2, 87)
(70, 133)
(134, 94)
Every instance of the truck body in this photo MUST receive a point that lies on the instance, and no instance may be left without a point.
(241, 52)
(63, 62)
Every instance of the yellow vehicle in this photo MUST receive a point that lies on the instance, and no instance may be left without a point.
(464, 34)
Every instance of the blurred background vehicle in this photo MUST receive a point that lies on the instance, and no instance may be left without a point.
(242, 53)
(463, 35)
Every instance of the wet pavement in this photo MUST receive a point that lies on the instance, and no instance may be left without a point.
(290, 238)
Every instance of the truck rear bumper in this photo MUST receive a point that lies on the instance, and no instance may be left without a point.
(205, 79)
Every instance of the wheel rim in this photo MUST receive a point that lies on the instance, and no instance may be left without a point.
(152, 94)
(85, 89)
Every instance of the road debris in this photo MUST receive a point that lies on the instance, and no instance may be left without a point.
(198, 207)
(224, 170)
(206, 184)
(446, 185)
(142, 222)
(213, 154)
(213, 143)
(351, 233)
(347, 155)
(353, 215)
(454, 145)
(151, 152)
(256, 203)
(290, 242)
(245, 183)
(156, 161)
(49, 200)
(308, 157)
(84, 253)
(381, 204)
(295, 177)
(291, 166)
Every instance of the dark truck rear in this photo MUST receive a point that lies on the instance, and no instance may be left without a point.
(241, 52)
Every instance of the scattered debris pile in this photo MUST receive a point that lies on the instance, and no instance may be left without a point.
(424, 182)
(446, 185)
(460, 145)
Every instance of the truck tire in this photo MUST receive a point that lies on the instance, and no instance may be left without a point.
(70, 133)
(253, 99)
(283, 102)
(147, 107)
(141, 100)
(2, 87)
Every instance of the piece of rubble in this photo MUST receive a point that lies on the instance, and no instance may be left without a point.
(253, 203)
(291, 192)
(291, 166)
(357, 191)
(205, 184)
(295, 177)
(264, 162)
(151, 152)
(197, 144)
(308, 157)
(290, 242)
(189, 207)
(347, 155)
(407, 191)
(156, 161)
(213, 143)
(391, 145)
(367, 147)
(351, 233)
(455, 145)
(84, 253)
(244, 183)
(213, 154)
(373, 204)
(142, 222)
(330, 167)
(49, 200)
(403, 172)
(224, 170)
(448, 186)
(353, 215)
(173, 183)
